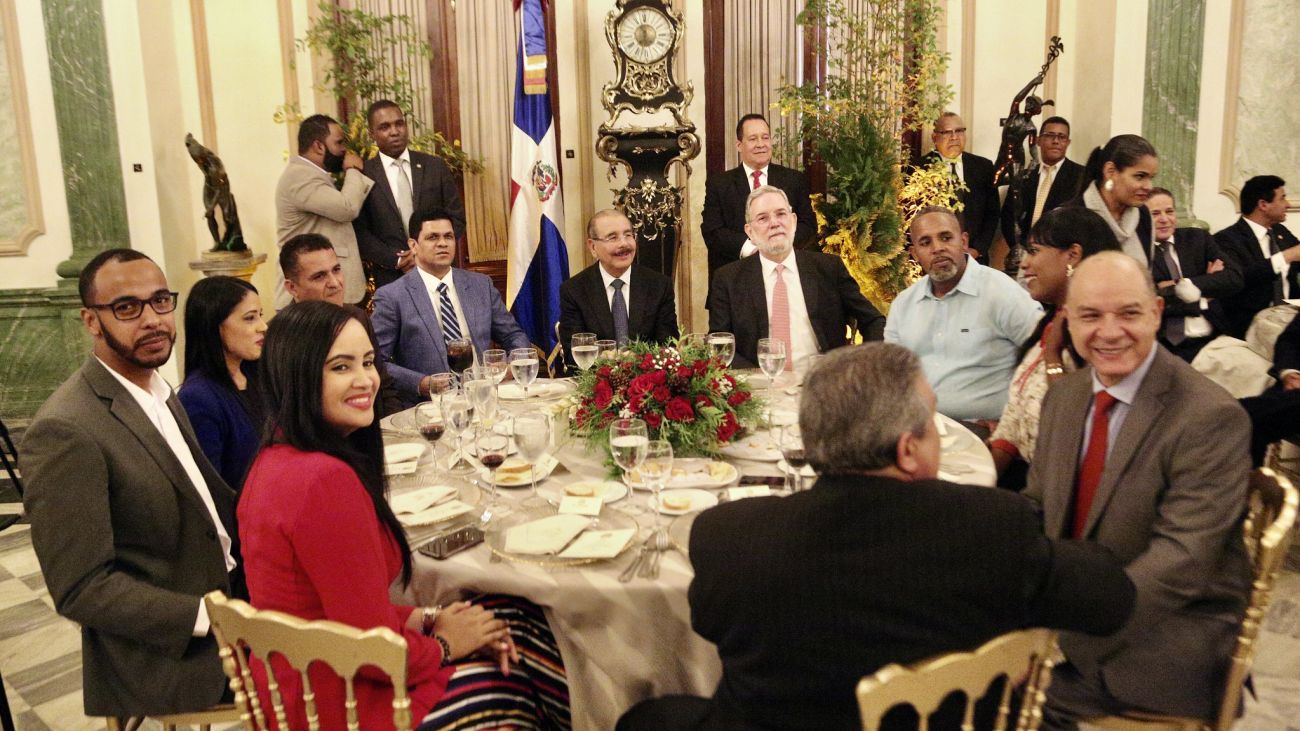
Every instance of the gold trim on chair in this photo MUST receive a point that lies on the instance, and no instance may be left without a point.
(1028, 654)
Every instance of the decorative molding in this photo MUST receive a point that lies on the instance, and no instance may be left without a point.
(586, 126)
(35, 225)
(203, 74)
(1052, 29)
(284, 15)
(1228, 148)
(968, 60)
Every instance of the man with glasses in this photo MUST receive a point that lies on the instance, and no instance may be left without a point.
(614, 298)
(805, 299)
(1056, 180)
(980, 199)
(131, 524)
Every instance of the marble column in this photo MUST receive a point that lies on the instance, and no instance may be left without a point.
(1175, 29)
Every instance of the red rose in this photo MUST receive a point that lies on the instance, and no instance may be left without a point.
(684, 373)
(727, 428)
(737, 398)
(679, 409)
(634, 403)
(658, 378)
(702, 400)
(701, 366)
(604, 394)
(653, 420)
(580, 416)
(604, 371)
(639, 386)
(647, 362)
(662, 393)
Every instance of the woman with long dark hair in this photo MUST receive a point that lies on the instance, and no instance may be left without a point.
(1118, 179)
(1060, 239)
(321, 542)
(224, 331)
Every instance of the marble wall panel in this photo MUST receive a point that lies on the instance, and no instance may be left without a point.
(1171, 103)
(42, 342)
(1267, 115)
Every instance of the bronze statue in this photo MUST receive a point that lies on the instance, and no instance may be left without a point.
(216, 194)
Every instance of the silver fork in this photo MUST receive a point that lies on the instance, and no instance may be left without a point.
(631, 569)
(650, 569)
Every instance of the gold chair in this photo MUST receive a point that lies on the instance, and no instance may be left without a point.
(1270, 520)
(205, 719)
(241, 630)
(1027, 653)
(557, 353)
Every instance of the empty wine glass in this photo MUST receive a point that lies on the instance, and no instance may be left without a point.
(492, 449)
(532, 433)
(482, 392)
(496, 363)
(523, 365)
(628, 439)
(440, 383)
(723, 347)
(778, 420)
(460, 354)
(771, 359)
(583, 349)
(792, 450)
(656, 468)
(460, 414)
(606, 348)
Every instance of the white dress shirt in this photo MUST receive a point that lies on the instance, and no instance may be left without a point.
(802, 339)
(1280, 265)
(748, 247)
(1125, 393)
(608, 278)
(949, 163)
(154, 404)
(392, 170)
(431, 284)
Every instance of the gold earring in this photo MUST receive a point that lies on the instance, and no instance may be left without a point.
(1069, 271)
(1109, 186)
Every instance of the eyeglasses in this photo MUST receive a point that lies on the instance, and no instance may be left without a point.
(950, 132)
(614, 238)
(1053, 137)
(132, 307)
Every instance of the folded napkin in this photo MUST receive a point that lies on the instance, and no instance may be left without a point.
(599, 544)
(546, 535)
(515, 392)
(436, 514)
(417, 500)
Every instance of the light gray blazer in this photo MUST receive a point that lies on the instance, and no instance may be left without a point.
(1170, 506)
(306, 202)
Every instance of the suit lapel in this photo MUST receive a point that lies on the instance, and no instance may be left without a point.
(223, 497)
(419, 295)
(636, 305)
(1056, 503)
(594, 292)
(752, 277)
(475, 309)
(383, 189)
(743, 186)
(417, 181)
(809, 283)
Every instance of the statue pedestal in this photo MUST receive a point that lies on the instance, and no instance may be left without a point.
(239, 264)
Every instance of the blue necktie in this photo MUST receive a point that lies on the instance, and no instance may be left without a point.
(447, 314)
(619, 309)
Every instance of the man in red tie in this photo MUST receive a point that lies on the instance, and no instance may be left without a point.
(802, 298)
(1147, 457)
(723, 224)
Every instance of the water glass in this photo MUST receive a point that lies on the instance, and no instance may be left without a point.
(723, 347)
(771, 358)
(440, 383)
(583, 349)
(459, 411)
(656, 469)
(523, 365)
(532, 434)
(778, 420)
(482, 393)
(606, 348)
(494, 360)
(628, 440)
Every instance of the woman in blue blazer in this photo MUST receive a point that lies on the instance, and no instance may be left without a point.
(224, 331)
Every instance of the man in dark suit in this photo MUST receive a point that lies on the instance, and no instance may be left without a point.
(1056, 180)
(1263, 249)
(1275, 414)
(1191, 278)
(130, 522)
(417, 315)
(878, 563)
(723, 225)
(980, 205)
(614, 298)
(1147, 457)
(804, 298)
(405, 182)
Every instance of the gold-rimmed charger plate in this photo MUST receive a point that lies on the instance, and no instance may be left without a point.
(608, 519)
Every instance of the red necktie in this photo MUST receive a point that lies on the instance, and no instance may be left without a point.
(757, 175)
(780, 325)
(1094, 461)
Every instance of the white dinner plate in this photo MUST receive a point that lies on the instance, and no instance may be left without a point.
(699, 500)
(403, 452)
(521, 478)
(608, 490)
(538, 390)
(691, 472)
(759, 446)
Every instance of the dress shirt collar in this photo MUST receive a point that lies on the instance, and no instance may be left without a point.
(388, 161)
(968, 284)
(769, 266)
(1259, 231)
(432, 281)
(608, 278)
(1044, 167)
(158, 393)
(749, 173)
(309, 162)
(1126, 390)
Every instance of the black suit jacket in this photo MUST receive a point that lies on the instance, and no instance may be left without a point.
(980, 205)
(804, 595)
(381, 232)
(1238, 242)
(1196, 249)
(738, 304)
(723, 224)
(1065, 186)
(651, 307)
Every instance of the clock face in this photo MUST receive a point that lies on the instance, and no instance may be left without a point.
(645, 35)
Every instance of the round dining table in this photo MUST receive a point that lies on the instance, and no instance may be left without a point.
(622, 642)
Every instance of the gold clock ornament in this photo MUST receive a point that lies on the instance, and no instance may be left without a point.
(643, 35)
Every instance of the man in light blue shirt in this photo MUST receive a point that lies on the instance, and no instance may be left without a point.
(966, 321)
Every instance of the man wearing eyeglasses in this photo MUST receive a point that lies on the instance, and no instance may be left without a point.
(1056, 180)
(614, 298)
(131, 524)
(980, 204)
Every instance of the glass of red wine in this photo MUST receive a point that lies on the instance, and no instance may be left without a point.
(492, 448)
(460, 354)
(432, 425)
(792, 450)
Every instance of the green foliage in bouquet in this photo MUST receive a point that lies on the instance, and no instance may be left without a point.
(683, 395)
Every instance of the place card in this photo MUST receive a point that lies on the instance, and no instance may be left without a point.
(740, 493)
(599, 544)
(394, 469)
(574, 505)
(417, 500)
(545, 535)
(437, 514)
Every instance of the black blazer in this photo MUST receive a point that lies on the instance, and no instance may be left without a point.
(723, 224)
(381, 232)
(1065, 186)
(804, 595)
(651, 307)
(1238, 242)
(1196, 249)
(738, 304)
(980, 205)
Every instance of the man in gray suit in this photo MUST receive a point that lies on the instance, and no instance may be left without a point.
(131, 524)
(306, 201)
(415, 316)
(1145, 456)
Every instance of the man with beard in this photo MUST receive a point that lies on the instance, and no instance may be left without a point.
(805, 299)
(965, 320)
(130, 522)
(306, 201)
(614, 298)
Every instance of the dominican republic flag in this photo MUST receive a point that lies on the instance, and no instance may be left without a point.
(538, 260)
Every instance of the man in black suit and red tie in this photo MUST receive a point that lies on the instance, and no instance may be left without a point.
(1263, 249)
(723, 226)
(980, 209)
(1056, 180)
(1191, 276)
(405, 182)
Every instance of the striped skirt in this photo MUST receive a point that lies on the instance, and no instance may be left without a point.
(534, 696)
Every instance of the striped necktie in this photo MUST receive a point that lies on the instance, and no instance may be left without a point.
(780, 325)
(447, 314)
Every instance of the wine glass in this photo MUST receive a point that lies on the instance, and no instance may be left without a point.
(628, 439)
(482, 393)
(606, 348)
(778, 420)
(583, 349)
(494, 360)
(532, 433)
(430, 421)
(460, 354)
(723, 347)
(771, 359)
(523, 365)
(440, 383)
(492, 448)
(459, 412)
(792, 450)
(655, 470)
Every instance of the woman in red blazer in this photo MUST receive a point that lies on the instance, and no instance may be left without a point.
(320, 542)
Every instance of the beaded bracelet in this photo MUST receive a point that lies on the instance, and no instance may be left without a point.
(446, 650)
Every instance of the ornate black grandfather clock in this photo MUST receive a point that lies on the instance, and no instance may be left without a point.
(643, 35)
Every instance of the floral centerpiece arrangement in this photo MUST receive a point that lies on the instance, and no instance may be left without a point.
(683, 395)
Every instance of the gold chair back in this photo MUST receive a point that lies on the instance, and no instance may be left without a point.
(1028, 654)
(240, 630)
(557, 353)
